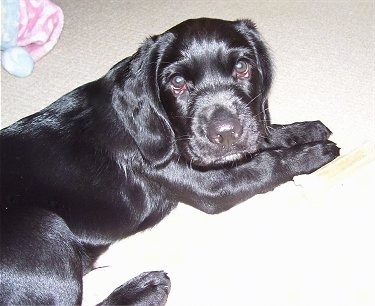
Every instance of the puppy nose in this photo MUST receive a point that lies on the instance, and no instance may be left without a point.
(224, 132)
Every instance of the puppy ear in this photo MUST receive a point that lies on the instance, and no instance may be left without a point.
(263, 60)
(135, 99)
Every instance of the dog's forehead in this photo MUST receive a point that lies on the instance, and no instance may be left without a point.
(202, 48)
(204, 26)
(196, 39)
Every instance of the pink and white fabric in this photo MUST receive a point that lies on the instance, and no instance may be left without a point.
(29, 30)
(41, 23)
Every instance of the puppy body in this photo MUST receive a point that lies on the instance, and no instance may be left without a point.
(185, 119)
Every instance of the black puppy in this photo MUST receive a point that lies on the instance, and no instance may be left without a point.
(185, 119)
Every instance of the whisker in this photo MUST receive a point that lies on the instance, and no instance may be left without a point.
(261, 112)
(188, 117)
(180, 138)
(254, 98)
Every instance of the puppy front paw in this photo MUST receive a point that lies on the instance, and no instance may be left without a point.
(289, 135)
(148, 289)
(307, 132)
(319, 131)
(312, 156)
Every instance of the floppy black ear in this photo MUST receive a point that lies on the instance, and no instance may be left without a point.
(135, 98)
(264, 62)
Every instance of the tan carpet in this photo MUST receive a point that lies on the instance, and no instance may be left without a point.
(287, 247)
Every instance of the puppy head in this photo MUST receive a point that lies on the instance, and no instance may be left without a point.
(214, 77)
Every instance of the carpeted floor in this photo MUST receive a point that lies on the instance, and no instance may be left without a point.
(298, 245)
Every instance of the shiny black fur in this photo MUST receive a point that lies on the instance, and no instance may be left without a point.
(184, 119)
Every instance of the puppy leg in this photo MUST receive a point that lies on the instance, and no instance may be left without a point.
(147, 289)
(286, 136)
(219, 190)
(40, 261)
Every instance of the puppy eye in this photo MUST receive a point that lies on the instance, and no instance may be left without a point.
(242, 70)
(178, 84)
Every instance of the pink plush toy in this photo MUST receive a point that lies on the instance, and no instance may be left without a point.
(30, 29)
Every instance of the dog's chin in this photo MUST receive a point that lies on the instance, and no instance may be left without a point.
(230, 158)
(213, 158)
(225, 160)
